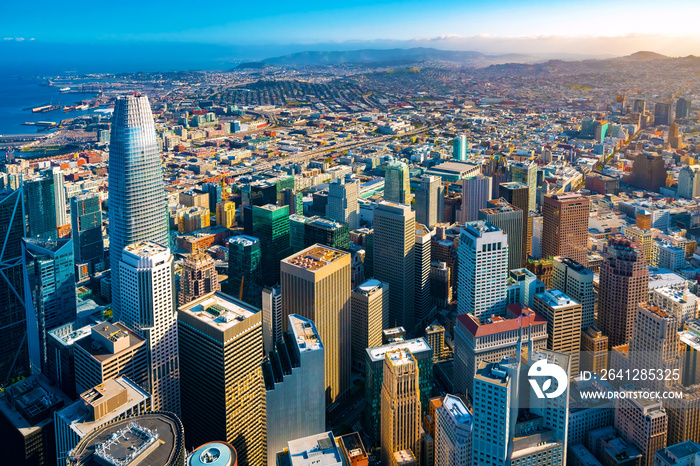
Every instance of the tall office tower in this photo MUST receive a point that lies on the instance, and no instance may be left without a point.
(640, 106)
(459, 148)
(370, 315)
(86, 227)
(245, 269)
(193, 219)
(509, 219)
(675, 140)
(401, 406)
(223, 392)
(110, 351)
(342, 202)
(50, 300)
(271, 317)
(430, 201)
(525, 173)
(492, 341)
(444, 249)
(517, 194)
(641, 422)
(59, 196)
(198, 277)
(374, 376)
(523, 285)
(663, 114)
(297, 231)
(563, 316)
(689, 182)
(146, 271)
(14, 356)
(502, 413)
(137, 209)
(476, 193)
(565, 226)
(654, 345)
(214, 191)
(41, 205)
(395, 259)
(483, 270)
(453, 433)
(440, 288)
(594, 350)
(271, 225)
(648, 172)
(315, 284)
(424, 309)
(624, 283)
(576, 281)
(295, 391)
(496, 168)
(327, 232)
(495, 403)
(61, 351)
(683, 108)
(226, 214)
(643, 236)
(396, 183)
(435, 335)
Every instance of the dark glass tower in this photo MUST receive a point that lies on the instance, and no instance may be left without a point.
(86, 225)
(14, 357)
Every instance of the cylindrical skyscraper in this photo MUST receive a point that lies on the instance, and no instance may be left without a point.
(137, 210)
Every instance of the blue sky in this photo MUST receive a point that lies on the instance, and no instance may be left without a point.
(41, 36)
(275, 22)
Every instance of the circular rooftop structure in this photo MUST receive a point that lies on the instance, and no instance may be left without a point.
(213, 454)
(152, 438)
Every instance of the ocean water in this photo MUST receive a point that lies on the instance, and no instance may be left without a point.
(18, 92)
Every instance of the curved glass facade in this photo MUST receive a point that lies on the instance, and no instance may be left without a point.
(137, 207)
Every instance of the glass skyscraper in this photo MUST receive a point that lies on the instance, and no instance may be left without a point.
(51, 302)
(13, 326)
(86, 224)
(137, 209)
(45, 204)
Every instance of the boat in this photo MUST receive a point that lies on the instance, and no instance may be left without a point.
(49, 108)
(41, 108)
(65, 89)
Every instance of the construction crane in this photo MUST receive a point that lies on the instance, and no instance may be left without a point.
(679, 92)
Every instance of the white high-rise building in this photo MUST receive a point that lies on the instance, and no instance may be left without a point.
(59, 197)
(148, 309)
(476, 193)
(483, 270)
(424, 309)
(453, 433)
(137, 207)
(342, 202)
(502, 412)
(575, 280)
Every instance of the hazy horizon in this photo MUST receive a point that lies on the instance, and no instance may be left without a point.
(182, 35)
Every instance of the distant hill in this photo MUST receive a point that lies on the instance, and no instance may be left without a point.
(645, 56)
(394, 56)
